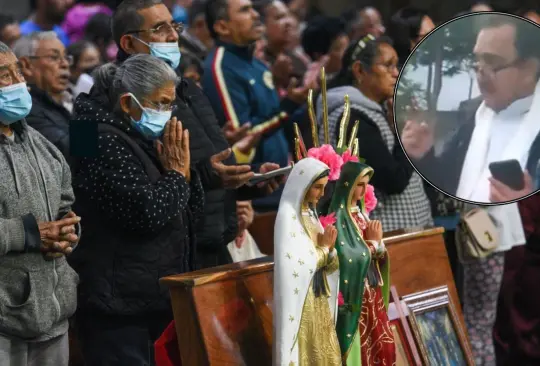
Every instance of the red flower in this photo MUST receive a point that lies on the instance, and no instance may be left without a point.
(328, 220)
(370, 201)
(347, 156)
(327, 155)
(340, 300)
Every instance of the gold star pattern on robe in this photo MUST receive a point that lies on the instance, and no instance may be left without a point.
(291, 318)
(295, 274)
(288, 255)
(296, 291)
(301, 262)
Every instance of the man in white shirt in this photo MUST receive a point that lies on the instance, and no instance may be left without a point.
(499, 127)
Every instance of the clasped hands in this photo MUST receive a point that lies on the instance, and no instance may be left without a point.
(59, 237)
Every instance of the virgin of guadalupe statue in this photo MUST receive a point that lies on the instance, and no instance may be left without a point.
(363, 328)
(306, 273)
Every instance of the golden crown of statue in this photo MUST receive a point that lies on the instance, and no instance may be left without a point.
(352, 143)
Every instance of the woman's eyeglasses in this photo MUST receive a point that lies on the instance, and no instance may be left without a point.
(169, 107)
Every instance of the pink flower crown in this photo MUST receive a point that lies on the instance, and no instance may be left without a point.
(326, 154)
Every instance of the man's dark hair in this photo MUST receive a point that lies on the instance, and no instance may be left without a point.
(127, 19)
(526, 35)
(215, 10)
(320, 33)
(6, 20)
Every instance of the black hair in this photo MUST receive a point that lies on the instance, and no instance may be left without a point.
(6, 20)
(320, 33)
(190, 59)
(98, 29)
(215, 10)
(196, 9)
(261, 6)
(403, 28)
(356, 52)
(324, 174)
(77, 49)
(526, 45)
(127, 19)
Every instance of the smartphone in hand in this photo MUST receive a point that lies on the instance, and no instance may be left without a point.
(508, 172)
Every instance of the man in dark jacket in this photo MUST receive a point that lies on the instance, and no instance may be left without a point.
(146, 26)
(46, 68)
(38, 288)
(507, 69)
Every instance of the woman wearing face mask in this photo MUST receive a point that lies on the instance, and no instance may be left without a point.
(368, 76)
(141, 202)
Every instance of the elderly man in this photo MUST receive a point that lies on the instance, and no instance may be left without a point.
(45, 66)
(38, 288)
(367, 20)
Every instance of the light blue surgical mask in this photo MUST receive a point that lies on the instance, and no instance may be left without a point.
(15, 103)
(152, 122)
(166, 51)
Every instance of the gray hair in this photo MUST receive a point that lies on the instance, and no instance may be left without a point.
(140, 75)
(26, 46)
(4, 48)
(127, 19)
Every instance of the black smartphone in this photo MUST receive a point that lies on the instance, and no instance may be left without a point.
(508, 172)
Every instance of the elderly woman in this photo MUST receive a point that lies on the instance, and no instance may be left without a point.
(140, 202)
(368, 76)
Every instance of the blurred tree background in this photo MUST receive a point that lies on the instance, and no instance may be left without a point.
(444, 53)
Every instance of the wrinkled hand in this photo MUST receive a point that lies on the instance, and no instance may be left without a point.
(417, 139)
(58, 237)
(250, 141)
(245, 213)
(272, 184)
(232, 176)
(298, 94)
(328, 238)
(374, 231)
(174, 151)
(500, 192)
(233, 134)
(282, 70)
(61, 230)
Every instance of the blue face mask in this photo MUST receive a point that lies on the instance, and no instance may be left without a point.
(15, 103)
(166, 51)
(152, 122)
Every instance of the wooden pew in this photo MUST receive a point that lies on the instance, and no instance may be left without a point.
(205, 300)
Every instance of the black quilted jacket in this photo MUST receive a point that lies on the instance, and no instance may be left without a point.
(139, 219)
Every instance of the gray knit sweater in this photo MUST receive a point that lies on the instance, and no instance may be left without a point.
(36, 295)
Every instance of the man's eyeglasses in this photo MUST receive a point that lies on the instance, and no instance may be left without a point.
(490, 71)
(162, 29)
(161, 107)
(56, 58)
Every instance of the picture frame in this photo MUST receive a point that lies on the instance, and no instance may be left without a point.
(406, 351)
(438, 331)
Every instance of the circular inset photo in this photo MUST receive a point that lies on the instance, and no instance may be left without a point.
(467, 108)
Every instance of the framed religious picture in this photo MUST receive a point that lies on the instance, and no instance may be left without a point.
(406, 351)
(439, 334)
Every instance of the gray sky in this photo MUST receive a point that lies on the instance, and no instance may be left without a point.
(454, 89)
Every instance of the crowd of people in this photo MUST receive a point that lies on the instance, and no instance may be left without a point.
(189, 99)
